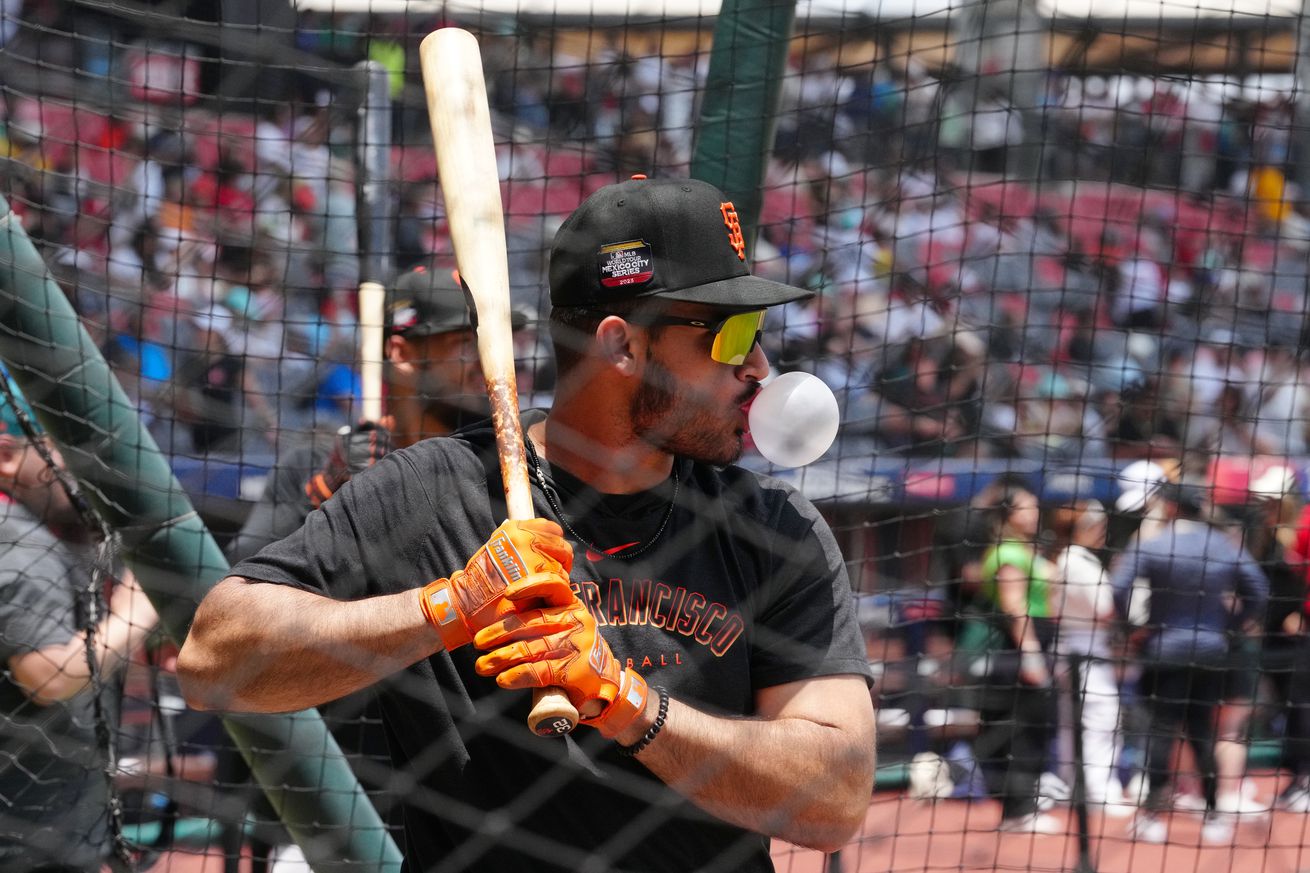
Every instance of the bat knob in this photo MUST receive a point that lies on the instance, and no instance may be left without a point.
(553, 727)
(552, 714)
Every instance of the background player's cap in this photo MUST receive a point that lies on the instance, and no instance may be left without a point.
(678, 239)
(1138, 483)
(424, 302)
(1274, 483)
(9, 424)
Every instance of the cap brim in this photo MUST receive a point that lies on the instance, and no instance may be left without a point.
(432, 328)
(739, 292)
(1131, 501)
(517, 321)
(1269, 491)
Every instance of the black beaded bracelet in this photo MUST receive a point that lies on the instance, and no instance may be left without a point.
(630, 751)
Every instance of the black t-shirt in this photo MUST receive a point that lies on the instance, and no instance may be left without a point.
(744, 589)
(1286, 591)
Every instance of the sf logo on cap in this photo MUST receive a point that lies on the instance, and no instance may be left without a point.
(735, 239)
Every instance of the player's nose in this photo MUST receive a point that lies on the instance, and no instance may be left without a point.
(756, 365)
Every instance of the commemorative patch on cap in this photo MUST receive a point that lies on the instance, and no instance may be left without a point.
(404, 316)
(676, 239)
(626, 263)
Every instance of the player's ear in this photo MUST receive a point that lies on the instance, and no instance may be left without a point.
(617, 343)
(11, 455)
(400, 353)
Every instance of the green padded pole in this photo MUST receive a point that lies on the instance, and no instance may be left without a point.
(740, 104)
(80, 404)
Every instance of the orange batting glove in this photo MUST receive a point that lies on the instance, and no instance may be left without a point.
(560, 646)
(524, 563)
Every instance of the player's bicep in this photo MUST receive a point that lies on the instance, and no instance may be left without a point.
(239, 629)
(842, 702)
(232, 605)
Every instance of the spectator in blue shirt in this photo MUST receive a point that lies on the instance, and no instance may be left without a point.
(1203, 584)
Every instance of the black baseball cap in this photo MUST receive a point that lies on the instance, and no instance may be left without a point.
(424, 302)
(676, 239)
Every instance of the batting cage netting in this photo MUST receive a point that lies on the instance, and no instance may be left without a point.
(1059, 255)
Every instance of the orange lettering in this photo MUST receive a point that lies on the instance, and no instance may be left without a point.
(703, 634)
(618, 610)
(590, 595)
(727, 635)
(735, 238)
(675, 609)
(639, 604)
(695, 606)
(660, 617)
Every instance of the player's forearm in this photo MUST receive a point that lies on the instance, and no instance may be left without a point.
(124, 631)
(259, 647)
(790, 778)
(59, 672)
(54, 673)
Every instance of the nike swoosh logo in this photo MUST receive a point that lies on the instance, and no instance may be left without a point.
(593, 555)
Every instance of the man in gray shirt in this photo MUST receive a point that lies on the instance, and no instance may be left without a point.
(1203, 586)
(54, 804)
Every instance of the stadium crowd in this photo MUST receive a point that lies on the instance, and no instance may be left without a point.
(1178, 610)
(959, 314)
(1149, 303)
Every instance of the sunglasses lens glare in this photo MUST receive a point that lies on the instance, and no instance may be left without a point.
(737, 337)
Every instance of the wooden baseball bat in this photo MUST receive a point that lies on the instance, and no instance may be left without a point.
(374, 231)
(470, 183)
(372, 314)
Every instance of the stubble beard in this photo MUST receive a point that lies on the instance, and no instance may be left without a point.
(53, 506)
(457, 411)
(447, 401)
(682, 426)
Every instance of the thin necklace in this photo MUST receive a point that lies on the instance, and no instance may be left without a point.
(553, 500)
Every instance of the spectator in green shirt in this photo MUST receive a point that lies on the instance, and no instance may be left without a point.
(1017, 708)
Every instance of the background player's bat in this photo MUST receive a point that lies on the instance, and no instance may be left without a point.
(466, 164)
(375, 233)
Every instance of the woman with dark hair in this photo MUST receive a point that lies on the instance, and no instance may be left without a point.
(1016, 709)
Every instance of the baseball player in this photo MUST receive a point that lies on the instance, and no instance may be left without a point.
(697, 614)
(434, 386)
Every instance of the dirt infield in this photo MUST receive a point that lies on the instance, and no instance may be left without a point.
(902, 835)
